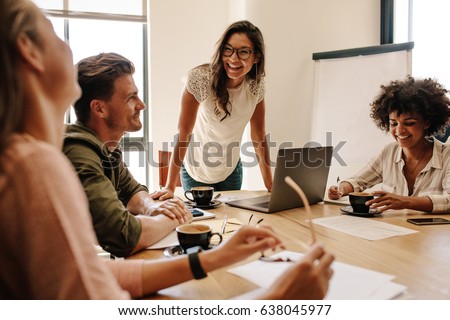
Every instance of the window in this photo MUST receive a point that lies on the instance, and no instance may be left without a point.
(427, 24)
(92, 27)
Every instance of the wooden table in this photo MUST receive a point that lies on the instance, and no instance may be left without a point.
(420, 261)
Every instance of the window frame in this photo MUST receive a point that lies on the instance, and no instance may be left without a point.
(387, 21)
(128, 143)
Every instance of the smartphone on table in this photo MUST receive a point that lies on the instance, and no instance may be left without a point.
(428, 221)
(198, 214)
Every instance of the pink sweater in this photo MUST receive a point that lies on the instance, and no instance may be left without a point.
(46, 234)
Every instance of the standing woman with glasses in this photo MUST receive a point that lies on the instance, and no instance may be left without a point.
(218, 101)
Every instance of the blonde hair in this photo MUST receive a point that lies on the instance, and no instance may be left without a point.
(16, 17)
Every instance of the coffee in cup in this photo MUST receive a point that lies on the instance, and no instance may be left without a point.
(202, 195)
(358, 201)
(193, 235)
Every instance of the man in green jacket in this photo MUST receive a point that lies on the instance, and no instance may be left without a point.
(126, 219)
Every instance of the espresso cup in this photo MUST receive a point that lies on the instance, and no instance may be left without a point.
(193, 235)
(358, 201)
(202, 195)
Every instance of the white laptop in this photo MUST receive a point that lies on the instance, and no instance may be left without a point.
(308, 167)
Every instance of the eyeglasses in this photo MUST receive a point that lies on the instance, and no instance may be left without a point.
(242, 53)
(301, 194)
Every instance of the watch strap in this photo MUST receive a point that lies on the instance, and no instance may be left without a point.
(196, 267)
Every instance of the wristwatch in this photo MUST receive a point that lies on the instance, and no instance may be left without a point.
(194, 262)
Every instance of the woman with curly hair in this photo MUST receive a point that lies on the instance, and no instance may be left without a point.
(218, 101)
(414, 170)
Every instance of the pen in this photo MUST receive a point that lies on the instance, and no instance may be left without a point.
(302, 195)
(225, 219)
(339, 189)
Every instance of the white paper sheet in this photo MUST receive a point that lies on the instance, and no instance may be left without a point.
(348, 282)
(390, 290)
(168, 241)
(342, 201)
(363, 227)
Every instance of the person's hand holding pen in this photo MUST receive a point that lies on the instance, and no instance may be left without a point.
(342, 189)
(335, 192)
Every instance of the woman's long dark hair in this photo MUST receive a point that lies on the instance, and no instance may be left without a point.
(219, 75)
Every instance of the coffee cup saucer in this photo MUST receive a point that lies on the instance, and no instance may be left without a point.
(349, 210)
(175, 251)
(213, 204)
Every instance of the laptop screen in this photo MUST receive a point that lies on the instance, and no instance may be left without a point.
(308, 167)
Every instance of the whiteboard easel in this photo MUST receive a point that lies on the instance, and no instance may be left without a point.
(343, 91)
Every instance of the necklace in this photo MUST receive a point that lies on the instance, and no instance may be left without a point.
(417, 164)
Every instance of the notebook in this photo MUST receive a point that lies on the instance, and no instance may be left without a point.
(308, 167)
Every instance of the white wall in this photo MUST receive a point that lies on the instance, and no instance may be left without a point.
(183, 34)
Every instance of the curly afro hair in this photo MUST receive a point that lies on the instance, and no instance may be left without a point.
(423, 97)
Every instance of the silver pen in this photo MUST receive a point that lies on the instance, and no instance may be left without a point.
(340, 190)
(225, 219)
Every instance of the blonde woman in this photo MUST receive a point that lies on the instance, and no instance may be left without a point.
(46, 233)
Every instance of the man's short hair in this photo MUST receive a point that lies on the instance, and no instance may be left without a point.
(96, 77)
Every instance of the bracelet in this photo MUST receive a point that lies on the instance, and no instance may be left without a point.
(196, 267)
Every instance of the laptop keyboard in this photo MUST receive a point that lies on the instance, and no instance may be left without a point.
(262, 204)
